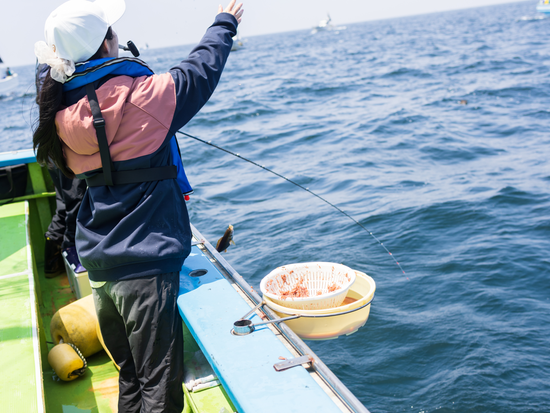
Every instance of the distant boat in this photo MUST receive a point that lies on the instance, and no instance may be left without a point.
(326, 25)
(237, 44)
(323, 25)
(8, 79)
(544, 6)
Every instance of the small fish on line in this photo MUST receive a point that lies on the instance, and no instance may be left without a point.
(225, 240)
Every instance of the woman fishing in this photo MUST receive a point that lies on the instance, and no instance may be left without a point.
(111, 121)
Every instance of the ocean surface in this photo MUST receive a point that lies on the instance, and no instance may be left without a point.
(370, 118)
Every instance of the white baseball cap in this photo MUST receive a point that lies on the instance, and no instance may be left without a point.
(77, 28)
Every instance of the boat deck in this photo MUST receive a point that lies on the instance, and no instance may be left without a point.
(28, 382)
(21, 388)
(97, 389)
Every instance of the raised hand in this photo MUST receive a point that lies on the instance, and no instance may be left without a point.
(236, 11)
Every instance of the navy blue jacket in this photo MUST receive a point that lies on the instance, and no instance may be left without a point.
(139, 229)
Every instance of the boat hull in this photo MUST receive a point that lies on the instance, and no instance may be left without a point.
(212, 297)
(8, 84)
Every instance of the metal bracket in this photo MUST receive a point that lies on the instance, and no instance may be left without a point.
(244, 326)
(193, 243)
(297, 361)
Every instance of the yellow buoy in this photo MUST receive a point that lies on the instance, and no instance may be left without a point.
(77, 323)
(66, 362)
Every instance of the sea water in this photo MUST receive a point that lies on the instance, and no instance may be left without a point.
(433, 132)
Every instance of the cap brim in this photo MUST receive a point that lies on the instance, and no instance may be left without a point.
(113, 9)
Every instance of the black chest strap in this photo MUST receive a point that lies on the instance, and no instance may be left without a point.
(108, 176)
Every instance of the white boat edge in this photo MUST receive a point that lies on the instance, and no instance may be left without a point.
(9, 83)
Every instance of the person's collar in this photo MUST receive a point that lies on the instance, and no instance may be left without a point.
(90, 71)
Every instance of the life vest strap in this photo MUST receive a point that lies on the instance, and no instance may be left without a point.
(99, 125)
(135, 176)
(109, 177)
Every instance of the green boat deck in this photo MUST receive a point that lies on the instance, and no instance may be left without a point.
(21, 386)
(28, 301)
(28, 382)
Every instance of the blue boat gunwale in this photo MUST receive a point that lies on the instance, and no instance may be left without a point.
(17, 157)
(321, 374)
(209, 305)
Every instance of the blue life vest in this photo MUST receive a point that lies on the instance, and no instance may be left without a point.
(91, 71)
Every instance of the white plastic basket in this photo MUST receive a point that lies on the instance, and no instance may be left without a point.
(308, 286)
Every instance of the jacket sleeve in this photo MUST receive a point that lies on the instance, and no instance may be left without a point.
(196, 77)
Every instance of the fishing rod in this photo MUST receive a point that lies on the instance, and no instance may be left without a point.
(298, 185)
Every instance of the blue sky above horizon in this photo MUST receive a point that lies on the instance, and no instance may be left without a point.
(165, 23)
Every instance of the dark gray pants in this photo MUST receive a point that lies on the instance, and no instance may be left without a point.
(142, 329)
(68, 197)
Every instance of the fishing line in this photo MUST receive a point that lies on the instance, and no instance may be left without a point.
(298, 185)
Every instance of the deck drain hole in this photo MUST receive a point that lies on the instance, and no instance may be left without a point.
(197, 273)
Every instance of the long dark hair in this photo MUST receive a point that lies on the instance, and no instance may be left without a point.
(46, 142)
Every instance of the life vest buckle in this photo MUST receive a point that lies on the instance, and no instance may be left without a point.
(99, 123)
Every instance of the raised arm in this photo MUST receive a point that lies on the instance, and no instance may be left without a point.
(197, 76)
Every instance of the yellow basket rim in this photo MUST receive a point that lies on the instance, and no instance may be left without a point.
(287, 310)
(323, 297)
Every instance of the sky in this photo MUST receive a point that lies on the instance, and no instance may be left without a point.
(163, 23)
